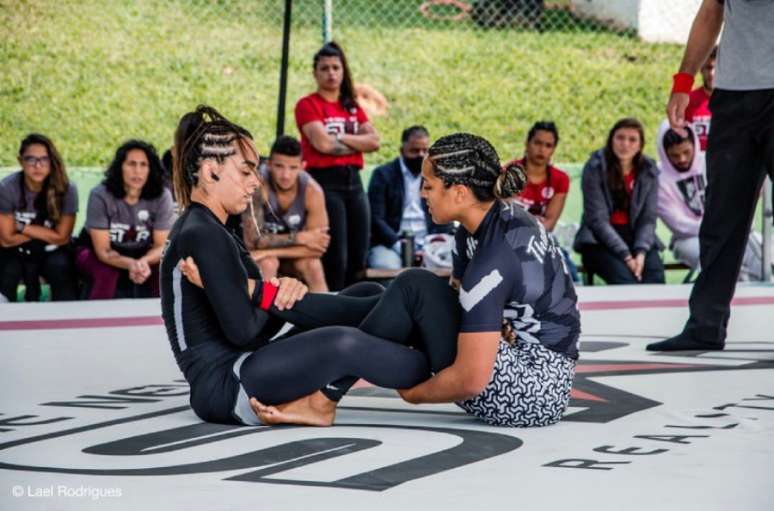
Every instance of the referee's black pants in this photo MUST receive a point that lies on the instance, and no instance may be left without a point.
(740, 152)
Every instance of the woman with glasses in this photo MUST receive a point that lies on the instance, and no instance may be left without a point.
(37, 214)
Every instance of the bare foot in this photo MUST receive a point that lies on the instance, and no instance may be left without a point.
(312, 410)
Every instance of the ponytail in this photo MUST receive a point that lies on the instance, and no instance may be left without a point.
(510, 182)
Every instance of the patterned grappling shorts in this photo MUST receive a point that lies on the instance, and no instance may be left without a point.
(530, 386)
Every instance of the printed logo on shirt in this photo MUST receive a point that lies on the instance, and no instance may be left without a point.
(124, 233)
(143, 215)
(692, 191)
(334, 125)
(523, 321)
(294, 220)
(471, 298)
(470, 250)
(548, 192)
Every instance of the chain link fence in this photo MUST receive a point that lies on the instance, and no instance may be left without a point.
(92, 73)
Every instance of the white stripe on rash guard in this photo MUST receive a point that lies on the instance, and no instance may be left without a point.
(469, 299)
(177, 292)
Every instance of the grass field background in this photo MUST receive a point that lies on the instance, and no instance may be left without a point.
(93, 73)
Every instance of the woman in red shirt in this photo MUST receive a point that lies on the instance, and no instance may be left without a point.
(547, 186)
(335, 132)
(617, 237)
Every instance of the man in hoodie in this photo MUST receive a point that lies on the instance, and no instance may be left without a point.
(681, 189)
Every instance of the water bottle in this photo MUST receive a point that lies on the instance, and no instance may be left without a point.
(407, 249)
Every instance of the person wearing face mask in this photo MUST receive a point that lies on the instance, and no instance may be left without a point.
(396, 205)
(682, 185)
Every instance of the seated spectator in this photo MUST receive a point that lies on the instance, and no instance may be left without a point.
(547, 186)
(617, 237)
(37, 214)
(698, 113)
(128, 218)
(397, 210)
(681, 188)
(289, 232)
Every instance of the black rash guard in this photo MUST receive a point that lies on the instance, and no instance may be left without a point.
(220, 337)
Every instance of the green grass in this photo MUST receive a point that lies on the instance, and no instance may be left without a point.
(92, 73)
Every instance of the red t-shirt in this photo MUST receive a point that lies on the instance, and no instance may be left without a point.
(619, 216)
(336, 119)
(698, 114)
(536, 196)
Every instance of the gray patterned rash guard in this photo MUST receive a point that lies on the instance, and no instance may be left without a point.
(511, 269)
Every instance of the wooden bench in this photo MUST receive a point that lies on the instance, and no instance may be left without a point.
(378, 274)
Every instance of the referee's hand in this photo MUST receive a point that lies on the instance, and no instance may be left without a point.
(678, 103)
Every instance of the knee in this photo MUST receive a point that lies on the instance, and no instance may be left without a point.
(414, 278)
(346, 339)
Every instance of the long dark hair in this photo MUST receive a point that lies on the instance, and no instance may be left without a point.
(201, 134)
(49, 201)
(615, 176)
(114, 179)
(347, 90)
(471, 161)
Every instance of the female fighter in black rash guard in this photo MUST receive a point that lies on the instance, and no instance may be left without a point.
(220, 333)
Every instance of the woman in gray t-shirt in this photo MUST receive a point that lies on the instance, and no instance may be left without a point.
(128, 218)
(37, 215)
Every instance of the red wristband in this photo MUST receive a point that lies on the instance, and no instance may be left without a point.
(268, 293)
(682, 83)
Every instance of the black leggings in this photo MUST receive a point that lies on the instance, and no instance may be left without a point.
(600, 260)
(56, 267)
(349, 217)
(302, 362)
(418, 310)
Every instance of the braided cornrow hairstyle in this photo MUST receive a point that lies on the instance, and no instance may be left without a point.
(202, 134)
(471, 161)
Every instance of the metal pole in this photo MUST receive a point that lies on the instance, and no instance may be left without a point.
(768, 216)
(327, 21)
(283, 85)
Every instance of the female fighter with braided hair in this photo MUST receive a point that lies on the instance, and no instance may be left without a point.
(219, 332)
(505, 348)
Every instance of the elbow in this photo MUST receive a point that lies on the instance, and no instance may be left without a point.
(472, 387)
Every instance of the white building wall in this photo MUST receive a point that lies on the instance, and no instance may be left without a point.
(655, 20)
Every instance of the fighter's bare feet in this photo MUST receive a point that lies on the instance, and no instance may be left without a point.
(312, 410)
